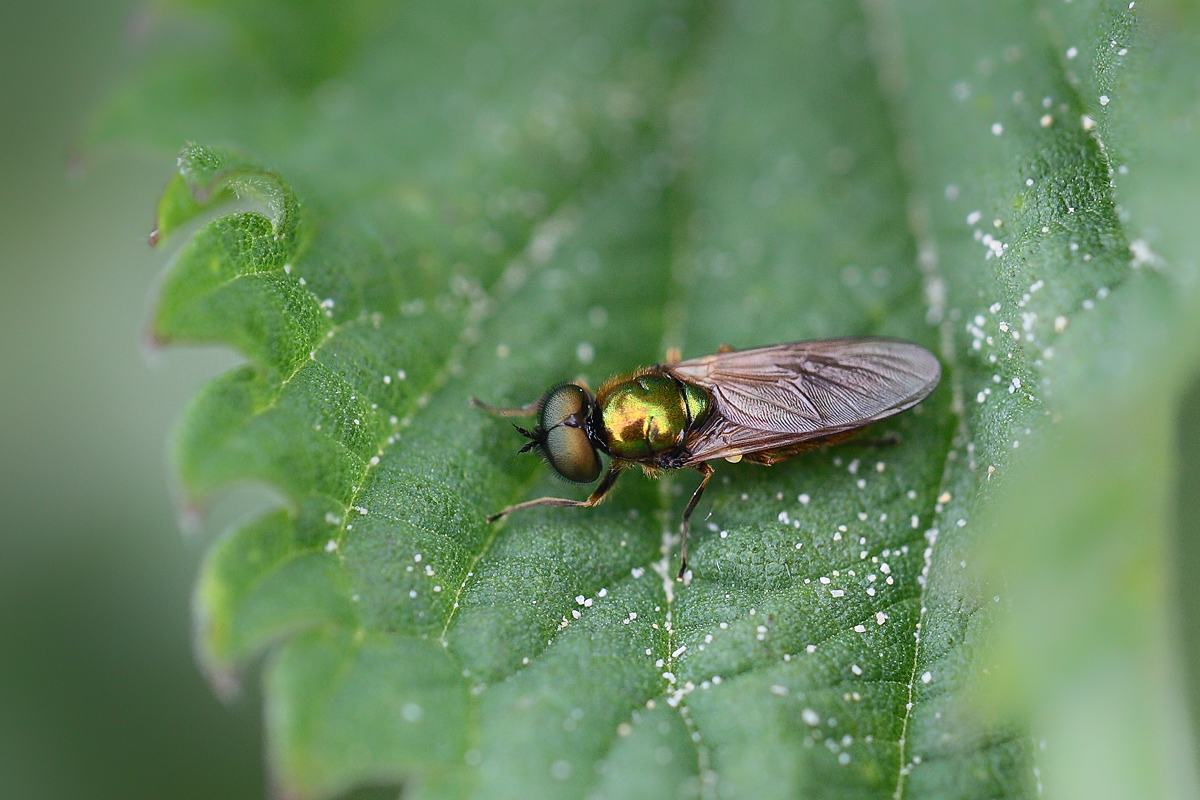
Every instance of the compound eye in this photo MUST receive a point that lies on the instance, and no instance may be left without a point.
(571, 454)
(562, 403)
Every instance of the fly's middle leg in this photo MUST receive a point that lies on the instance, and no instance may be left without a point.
(707, 472)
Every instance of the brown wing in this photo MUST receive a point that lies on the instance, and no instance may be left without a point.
(772, 397)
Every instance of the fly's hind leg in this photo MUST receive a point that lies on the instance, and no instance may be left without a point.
(707, 472)
(889, 439)
(606, 484)
(675, 355)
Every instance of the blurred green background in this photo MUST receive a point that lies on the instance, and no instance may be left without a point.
(99, 693)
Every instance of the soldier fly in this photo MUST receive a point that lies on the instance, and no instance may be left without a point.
(765, 405)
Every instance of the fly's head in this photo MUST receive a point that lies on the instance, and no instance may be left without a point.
(562, 433)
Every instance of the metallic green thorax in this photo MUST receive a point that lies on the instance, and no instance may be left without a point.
(649, 414)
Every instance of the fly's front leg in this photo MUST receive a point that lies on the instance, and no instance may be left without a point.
(606, 484)
(707, 472)
(524, 411)
(527, 410)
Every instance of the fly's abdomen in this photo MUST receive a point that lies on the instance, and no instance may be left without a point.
(647, 415)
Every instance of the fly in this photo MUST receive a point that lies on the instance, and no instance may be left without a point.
(763, 405)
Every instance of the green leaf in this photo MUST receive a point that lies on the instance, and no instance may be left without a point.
(481, 199)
